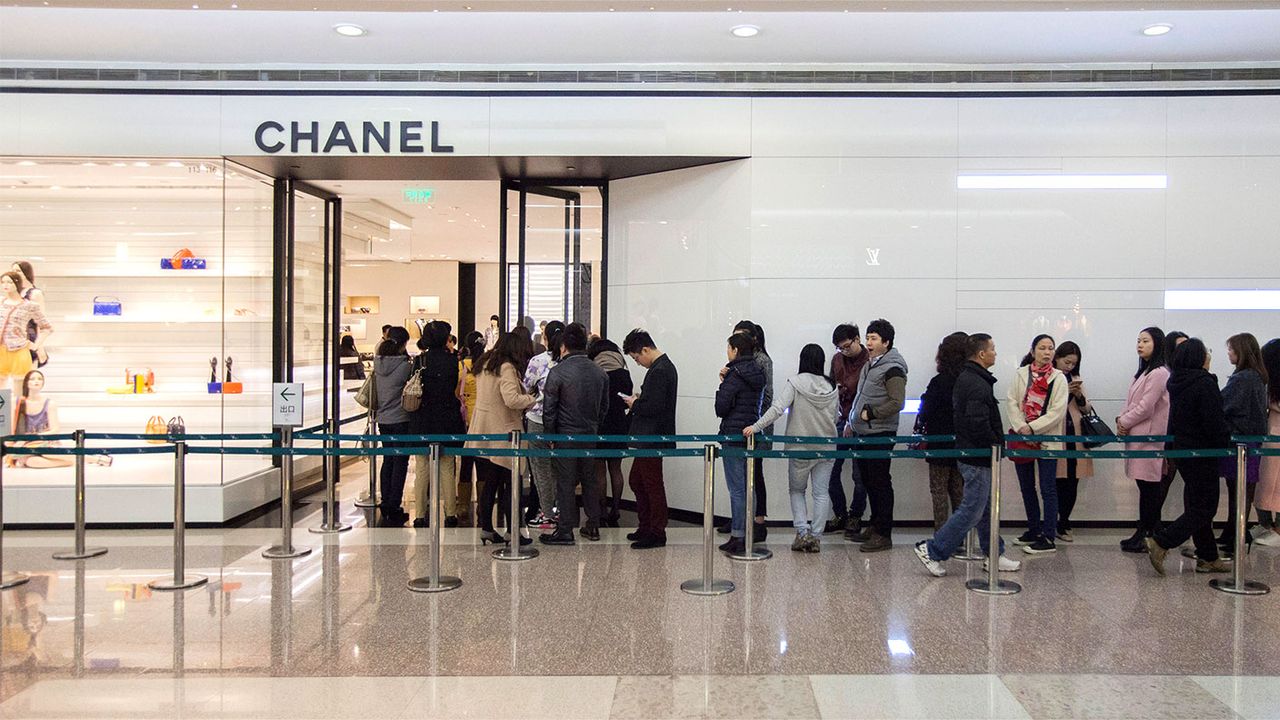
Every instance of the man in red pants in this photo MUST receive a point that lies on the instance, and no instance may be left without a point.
(653, 412)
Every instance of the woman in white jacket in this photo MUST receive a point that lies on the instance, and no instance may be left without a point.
(814, 404)
(1037, 405)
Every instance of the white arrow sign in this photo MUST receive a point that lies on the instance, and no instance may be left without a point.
(6, 397)
(286, 404)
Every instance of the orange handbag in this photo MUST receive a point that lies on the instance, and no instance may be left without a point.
(157, 425)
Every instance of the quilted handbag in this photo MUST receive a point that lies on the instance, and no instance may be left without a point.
(176, 426)
(156, 426)
(106, 305)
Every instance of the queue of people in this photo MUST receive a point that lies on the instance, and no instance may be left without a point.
(580, 385)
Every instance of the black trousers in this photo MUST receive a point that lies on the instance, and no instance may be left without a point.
(572, 472)
(876, 476)
(762, 500)
(1200, 477)
(496, 480)
(1151, 497)
(1068, 490)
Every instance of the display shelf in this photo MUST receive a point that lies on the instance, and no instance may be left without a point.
(211, 273)
(135, 319)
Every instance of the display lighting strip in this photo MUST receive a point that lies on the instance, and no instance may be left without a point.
(1062, 182)
(1222, 299)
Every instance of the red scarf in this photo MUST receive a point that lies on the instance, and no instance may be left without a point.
(1037, 397)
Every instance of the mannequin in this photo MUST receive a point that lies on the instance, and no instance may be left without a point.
(38, 415)
(16, 347)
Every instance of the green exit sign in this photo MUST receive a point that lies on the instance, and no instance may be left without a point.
(418, 195)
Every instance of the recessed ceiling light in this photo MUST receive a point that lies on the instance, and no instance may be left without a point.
(744, 31)
(350, 30)
(1157, 29)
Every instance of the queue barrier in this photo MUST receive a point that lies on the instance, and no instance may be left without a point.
(733, 446)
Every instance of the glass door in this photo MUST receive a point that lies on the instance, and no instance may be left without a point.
(552, 255)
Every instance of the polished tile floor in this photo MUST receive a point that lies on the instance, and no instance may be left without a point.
(600, 630)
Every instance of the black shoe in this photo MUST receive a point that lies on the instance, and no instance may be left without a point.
(1137, 548)
(557, 538)
(451, 521)
(1027, 538)
(1041, 546)
(726, 528)
(491, 536)
(836, 524)
(611, 520)
(760, 533)
(591, 533)
(1137, 538)
(876, 543)
(421, 522)
(735, 546)
(859, 534)
(635, 535)
(648, 541)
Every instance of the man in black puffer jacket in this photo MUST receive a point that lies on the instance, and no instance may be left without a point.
(738, 405)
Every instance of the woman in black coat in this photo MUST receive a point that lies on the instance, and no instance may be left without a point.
(738, 406)
(439, 414)
(607, 355)
(1196, 422)
(936, 417)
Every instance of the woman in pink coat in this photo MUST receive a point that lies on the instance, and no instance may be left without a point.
(1146, 412)
(1267, 497)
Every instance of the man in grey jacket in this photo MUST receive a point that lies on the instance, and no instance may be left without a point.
(576, 398)
(882, 393)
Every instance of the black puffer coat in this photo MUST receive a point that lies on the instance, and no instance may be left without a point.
(740, 396)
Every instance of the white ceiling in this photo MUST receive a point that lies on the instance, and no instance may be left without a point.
(1060, 33)
(460, 223)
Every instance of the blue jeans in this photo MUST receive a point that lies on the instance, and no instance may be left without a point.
(735, 476)
(974, 511)
(1048, 525)
(857, 506)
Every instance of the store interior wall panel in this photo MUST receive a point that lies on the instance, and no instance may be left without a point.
(394, 283)
(1224, 218)
(487, 296)
(1062, 127)
(622, 126)
(848, 127)
(853, 217)
(1224, 125)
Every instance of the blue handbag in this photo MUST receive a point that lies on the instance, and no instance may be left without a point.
(106, 305)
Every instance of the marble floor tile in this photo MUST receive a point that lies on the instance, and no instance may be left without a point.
(672, 697)
(1253, 698)
(1125, 697)
(922, 697)
(522, 698)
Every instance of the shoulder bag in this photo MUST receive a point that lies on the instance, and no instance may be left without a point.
(411, 395)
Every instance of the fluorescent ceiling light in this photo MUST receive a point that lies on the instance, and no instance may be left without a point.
(744, 31)
(1062, 182)
(1157, 29)
(350, 30)
(1222, 299)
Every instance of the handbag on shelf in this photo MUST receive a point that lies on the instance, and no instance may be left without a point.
(176, 426)
(156, 426)
(184, 259)
(107, 306)
(1091, 424)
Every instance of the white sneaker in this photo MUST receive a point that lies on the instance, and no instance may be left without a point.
(1006, 565)
(1257, 531)
(1271, 539)
(933, 566)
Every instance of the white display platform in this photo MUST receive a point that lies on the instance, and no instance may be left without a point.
(139, 489)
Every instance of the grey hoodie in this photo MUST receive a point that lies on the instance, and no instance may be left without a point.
(391, 372)
(882, 390)
(814, 403)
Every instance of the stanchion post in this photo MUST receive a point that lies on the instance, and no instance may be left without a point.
(993, 585)
(1236, 584)
(707, 584)
(7, 579)
(80, 552)
(370, 497)
(285, 550)
(331, 524)
(512, 551)
(435, 582)
(180, 580)
(749, 551)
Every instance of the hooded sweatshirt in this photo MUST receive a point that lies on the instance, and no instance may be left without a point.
(391, 373)
(738, 397)
(1196, 418)
(882, 390)
(814, 403)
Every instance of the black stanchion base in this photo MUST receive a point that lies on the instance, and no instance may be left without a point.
(1003, 587)
(445, 583)
(699, 587)
(188, 582)
(73, 555)
(280, 552)
(13, 580)
(1247, 587)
